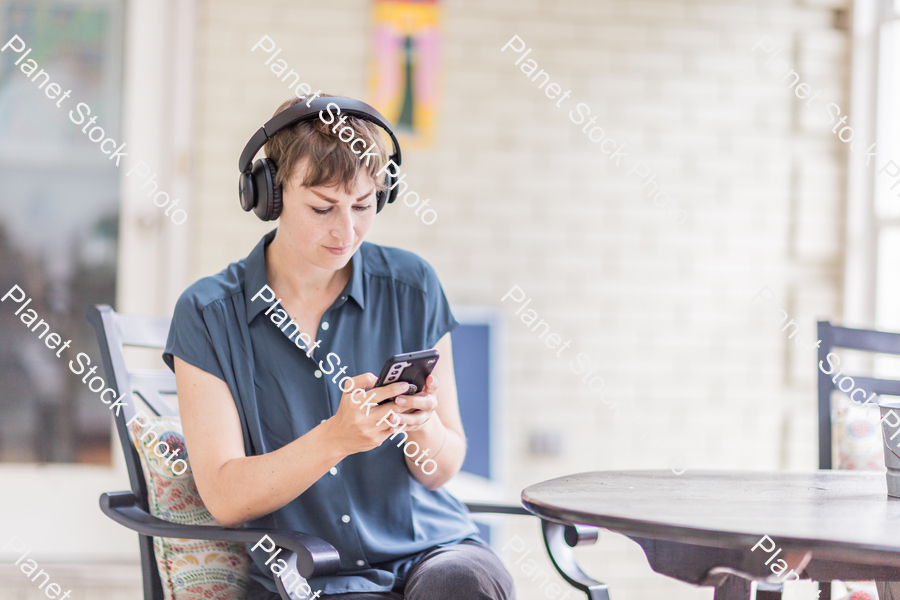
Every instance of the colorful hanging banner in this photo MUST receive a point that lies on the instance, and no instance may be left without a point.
(404, 81)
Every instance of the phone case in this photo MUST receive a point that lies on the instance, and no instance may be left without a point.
(413, 368)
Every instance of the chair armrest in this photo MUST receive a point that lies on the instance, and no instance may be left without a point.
(315, 557)
(506, 509)
(574, 535)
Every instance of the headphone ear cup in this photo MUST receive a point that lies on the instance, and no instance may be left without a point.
(387, 195)
(268, 195)
(247, 192)
(277, 202)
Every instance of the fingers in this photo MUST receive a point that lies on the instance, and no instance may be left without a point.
(396, 388)
(412, 402)
(365, 381)
(389, 391)
(425, 400)
(383, 419)
(363, 388)
(419, 402)
(412, 421)
(390, 419)
(370, 427)
(377, 396)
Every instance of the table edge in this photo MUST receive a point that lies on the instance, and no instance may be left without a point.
(822, 549)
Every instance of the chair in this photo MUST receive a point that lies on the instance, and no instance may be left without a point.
(313, 556)
(831, 337)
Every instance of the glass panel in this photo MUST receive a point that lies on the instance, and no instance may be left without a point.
(59, 224)
(887, 202)
(887, 297)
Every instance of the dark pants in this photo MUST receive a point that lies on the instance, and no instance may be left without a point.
(468, 570)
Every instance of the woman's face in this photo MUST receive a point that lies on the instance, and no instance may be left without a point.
(325, 225)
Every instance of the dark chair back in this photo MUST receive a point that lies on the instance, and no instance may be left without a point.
(832, 336)
(114, 332)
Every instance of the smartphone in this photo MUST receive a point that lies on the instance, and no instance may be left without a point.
(413, 368)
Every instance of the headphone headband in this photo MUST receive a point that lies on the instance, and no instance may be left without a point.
(300, 112)
(258, 189)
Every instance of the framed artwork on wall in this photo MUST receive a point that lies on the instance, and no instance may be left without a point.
(405, 67)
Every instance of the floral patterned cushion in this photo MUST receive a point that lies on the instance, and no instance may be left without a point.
(856, 435)
(189, 569)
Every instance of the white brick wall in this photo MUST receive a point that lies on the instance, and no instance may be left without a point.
(524, 198)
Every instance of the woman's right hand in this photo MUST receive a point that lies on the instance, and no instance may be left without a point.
(355, 424)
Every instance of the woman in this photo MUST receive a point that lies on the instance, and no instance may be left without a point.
(272, 439)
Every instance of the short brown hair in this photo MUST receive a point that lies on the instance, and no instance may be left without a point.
(331, 160)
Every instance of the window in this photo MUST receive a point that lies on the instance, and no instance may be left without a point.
(886, 201)
(59, 223)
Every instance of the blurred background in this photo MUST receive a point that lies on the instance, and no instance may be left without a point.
(664, 310)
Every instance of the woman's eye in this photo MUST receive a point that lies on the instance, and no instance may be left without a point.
(325, 211)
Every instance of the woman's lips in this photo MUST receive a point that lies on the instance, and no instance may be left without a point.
(338, 251)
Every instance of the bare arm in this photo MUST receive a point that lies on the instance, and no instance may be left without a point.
(237, 488)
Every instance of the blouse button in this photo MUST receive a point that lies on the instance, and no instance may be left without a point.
(333, 471)
(360, 563)
(345, 518)
(318, 374)
(325, 325)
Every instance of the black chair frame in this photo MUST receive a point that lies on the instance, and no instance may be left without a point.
(832, 336)
(313, 557)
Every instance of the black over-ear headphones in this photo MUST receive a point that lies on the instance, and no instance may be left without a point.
(257, 188)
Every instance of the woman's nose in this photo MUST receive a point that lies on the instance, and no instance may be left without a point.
(343, 228)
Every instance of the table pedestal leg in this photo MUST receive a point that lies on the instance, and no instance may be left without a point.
(560, 551)
(733, 588)
(768, 591)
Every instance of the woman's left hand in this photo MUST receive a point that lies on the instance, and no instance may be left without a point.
(416, 410)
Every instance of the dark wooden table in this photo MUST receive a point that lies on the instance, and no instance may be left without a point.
(699, 527)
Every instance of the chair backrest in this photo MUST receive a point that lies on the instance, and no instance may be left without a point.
(114, 332)
(832, 336)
